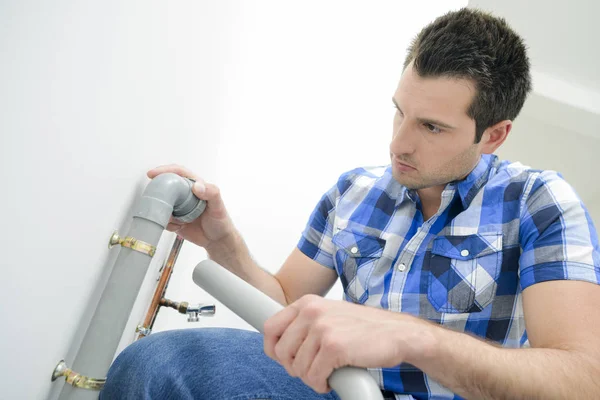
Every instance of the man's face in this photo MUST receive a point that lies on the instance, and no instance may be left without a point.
(433, 138)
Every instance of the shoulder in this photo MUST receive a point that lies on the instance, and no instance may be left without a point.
(531, 185)
(363, 178)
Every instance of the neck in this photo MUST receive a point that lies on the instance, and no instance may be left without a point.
(431, 198)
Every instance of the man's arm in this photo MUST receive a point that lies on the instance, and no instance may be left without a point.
(314, 336)
(299, 275)
(308, 269)
(558, 243)
(215, 231)
(563, 323)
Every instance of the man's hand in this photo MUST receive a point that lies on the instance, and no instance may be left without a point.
(214, 224)
(314, 336)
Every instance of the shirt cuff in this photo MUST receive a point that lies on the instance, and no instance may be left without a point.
(314, 252)
(559, 271)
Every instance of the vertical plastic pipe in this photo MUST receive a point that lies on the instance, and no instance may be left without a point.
(166, 195)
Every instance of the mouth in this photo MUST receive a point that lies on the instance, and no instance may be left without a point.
(403, 166)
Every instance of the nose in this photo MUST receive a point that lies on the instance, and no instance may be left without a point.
(404, 139)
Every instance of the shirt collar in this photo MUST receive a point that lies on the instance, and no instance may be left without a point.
(399, 191)
(470, 186)
(467, 188)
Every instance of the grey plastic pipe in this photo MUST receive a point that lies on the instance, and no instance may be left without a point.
(167, 194)
(255, 307)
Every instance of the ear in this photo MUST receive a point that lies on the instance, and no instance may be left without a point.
(494, 136)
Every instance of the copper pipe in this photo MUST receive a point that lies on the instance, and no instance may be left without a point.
(161, 287)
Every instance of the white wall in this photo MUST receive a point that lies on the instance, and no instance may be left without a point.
(271, 100)
(562, 36)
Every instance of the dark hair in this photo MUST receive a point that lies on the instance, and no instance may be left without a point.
(472, 44)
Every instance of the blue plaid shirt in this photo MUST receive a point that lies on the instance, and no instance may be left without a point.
(501, 229)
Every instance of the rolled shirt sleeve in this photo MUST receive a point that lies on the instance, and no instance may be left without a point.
(557, 235)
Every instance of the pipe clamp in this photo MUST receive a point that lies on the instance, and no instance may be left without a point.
(132, 243)
(75, 379)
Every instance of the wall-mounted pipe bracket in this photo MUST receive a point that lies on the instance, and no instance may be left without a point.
(132, 243)
(75, 379)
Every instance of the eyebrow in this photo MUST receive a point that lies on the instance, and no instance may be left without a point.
(427, 120)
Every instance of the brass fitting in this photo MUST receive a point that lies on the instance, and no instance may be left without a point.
(193, 312)
(75, 379)
(131, 243)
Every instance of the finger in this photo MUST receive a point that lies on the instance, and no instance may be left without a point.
(306, 354)
(174, 168)
(173, 227)
(319, 371)
(274, 328)
(212, 194)
(199, 189)
(289, 343)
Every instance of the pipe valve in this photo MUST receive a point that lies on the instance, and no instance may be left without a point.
(194, 311)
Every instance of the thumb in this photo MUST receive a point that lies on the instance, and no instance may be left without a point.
(199, 189)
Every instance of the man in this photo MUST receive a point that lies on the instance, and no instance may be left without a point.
(446, 257)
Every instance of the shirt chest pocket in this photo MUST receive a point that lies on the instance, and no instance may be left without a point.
(463, 271)
(355, 258)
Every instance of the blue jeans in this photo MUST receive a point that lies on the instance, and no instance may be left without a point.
(206, 364)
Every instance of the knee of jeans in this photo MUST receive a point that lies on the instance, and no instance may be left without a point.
(167, 356)
(139, 362)
(124, 366)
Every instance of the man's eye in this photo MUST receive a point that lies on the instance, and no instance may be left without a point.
(432, 128)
